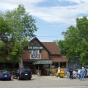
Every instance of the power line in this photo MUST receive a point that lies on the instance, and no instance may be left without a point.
(51, 36)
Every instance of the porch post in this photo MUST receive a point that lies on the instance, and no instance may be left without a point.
(38, 70)
(58, 64)
(49, 68)
(66, 64)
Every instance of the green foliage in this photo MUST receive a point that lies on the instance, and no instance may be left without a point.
(8, 69)
(61, 45)
(16, 28)
(1, 59)
(76, 41)
(5, 29)
(2, 45)
(22, 23)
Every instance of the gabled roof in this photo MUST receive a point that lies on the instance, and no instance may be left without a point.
(34, 39)
(51, 47)
(60, 59)
(39, 42)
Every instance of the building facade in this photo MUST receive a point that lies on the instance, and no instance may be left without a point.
(43, 57)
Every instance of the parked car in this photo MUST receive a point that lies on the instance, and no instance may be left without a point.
(87, 69)
(5, 74)
(75, 74)
(22, 73)
(77, 71)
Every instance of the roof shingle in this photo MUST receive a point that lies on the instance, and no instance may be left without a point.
(52, 47)
(59, 59)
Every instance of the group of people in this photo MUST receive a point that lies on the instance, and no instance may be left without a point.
(81, 73)
(69, 72)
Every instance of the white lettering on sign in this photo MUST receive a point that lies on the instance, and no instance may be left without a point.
(35, 47)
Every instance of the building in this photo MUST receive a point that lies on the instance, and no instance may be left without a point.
(43, 57)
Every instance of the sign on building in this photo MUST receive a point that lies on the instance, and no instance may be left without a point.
(35, 52)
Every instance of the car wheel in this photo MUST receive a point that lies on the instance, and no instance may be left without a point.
(9, 79)
(13, 77)
(30, 78)
(18, 77)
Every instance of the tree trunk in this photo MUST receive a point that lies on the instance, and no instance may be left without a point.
(21, 63)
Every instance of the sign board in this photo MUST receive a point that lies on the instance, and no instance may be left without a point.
(35, 51)
(35, 47)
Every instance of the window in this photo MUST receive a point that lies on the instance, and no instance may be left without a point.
(35, 54)
(46, 65)
(63, 64)
(54, 65)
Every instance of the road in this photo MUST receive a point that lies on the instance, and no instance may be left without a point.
(44, 82)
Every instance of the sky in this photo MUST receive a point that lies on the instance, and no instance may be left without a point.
(52, 16)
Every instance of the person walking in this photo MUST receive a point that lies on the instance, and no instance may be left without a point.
(79, 73)
(82, 74)
(68, 72)
(85, 73)
(71, 73)
(58, 72)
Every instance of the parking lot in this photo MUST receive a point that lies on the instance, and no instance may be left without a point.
(44, 82)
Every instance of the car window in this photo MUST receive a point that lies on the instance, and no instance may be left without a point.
(3, 71)
(24, 70)
(76, 70)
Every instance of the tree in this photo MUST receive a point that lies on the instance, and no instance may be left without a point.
(60, 44)
(20, 28)
(75, 43)
(5, 31)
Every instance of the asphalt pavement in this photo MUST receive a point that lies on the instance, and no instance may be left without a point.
(44, 82)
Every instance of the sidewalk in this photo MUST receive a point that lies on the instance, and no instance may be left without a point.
(56, 78)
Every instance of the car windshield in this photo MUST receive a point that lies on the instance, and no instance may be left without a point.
(25, 70)
(3, 71)
(76, 70)
(22, 69)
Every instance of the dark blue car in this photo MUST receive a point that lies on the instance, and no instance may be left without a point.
(22, 73)
(5, 75)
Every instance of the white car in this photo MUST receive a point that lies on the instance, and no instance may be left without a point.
(75, 74)
(77, 71)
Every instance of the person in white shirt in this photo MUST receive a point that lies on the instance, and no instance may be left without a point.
(79, 73)
(58, 71)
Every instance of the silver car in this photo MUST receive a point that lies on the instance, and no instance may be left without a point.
(75, 74)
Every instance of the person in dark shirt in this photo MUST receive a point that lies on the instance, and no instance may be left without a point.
(85, 73)
(71, 73)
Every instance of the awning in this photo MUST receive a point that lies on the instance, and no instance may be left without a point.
(42, 62)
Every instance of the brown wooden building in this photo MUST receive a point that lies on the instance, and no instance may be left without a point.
(43, 57)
